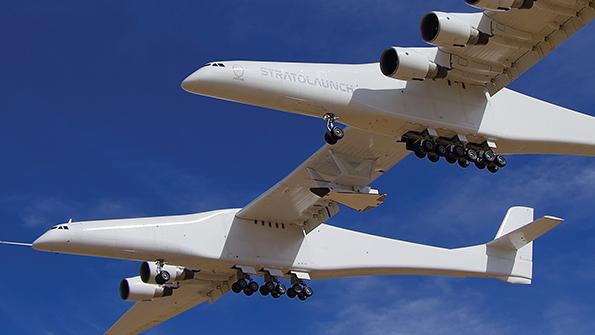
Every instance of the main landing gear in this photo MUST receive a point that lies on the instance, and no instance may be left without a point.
(333, 133)
(453, 150)
(272, 286)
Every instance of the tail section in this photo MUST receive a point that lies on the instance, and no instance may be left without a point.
(514, 241)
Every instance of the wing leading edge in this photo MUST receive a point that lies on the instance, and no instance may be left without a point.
(338, 174)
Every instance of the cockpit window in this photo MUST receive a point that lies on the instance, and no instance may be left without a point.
(221, 64)
(65, 227)
(208, 64)
(54, 227)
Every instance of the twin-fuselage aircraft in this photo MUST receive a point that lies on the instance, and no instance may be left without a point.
(446, 102)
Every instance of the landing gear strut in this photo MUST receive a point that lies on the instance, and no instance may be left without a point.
(299, 289)
(333, 133)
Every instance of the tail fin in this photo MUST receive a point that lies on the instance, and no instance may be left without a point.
(515, 238)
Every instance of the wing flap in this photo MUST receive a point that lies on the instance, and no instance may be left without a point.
(345, 169)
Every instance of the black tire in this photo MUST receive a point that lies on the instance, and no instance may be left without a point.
(308, 291)
(471, 155)
(291, 293)
(480, 164)
(428, 145)
(247, 291)
(441, 150)
(253, 286)
(297, 288)
(302, 297)
(242, 283)
(270, 286)
(493, 168)
(281, 289)
(162, 278)
(328, 137)
(489, 156)
(463, 162)
(451, 158)
(263, 290)
(337, 133)
(275, 294)
(235, 288)
(420, 153)
(500, 161)
(459, 150)
(433, 157)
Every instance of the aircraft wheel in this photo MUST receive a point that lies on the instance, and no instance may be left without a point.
(428, 145)
(337, 132)
(253, 286)
(489, 156)
(263, 290)
(242, 283)
(297, 288)
(302, 297)
(500, 161)
(328, 137)
(308, 292)
(451, 158)
(162, 278)
(493, 168)
(480, 164)
(471, 155)
(275, 294)
(420, 152)
(464, 163)
(235, 288)
(441, 150)
(270, 286)
(291, 293)
(433, 157)
(281, 289)
(247, 291)
(459, 150)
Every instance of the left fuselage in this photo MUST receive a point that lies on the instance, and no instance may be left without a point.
(217, 241)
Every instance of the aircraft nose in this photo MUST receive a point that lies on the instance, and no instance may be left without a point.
(199, 80)
(50, 241)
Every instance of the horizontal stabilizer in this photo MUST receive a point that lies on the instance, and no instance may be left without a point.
(524, 235)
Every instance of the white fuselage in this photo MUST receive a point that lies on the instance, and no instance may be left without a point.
(364, 98)
(215, 242)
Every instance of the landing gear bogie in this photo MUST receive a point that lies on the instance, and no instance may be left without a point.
(457, 149)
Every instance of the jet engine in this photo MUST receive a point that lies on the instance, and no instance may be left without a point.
(408, 64)
(446, 30)
(501, 5)
(150, 273)
(133, 289)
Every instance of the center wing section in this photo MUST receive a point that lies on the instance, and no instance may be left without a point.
(338, 174)
(148, 314)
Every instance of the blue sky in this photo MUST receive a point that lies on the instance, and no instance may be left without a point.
(94, 125)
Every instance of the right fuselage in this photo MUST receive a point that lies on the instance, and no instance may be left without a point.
(362, 97)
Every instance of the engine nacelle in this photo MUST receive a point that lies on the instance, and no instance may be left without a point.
(501, 5)
(446, 30)
(133, 289)
(408, 64)
(149, 273)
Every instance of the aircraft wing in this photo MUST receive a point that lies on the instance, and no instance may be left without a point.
(147, 314)
(519, 39)
(338, 174)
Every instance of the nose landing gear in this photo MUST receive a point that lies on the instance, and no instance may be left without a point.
(333, 133)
